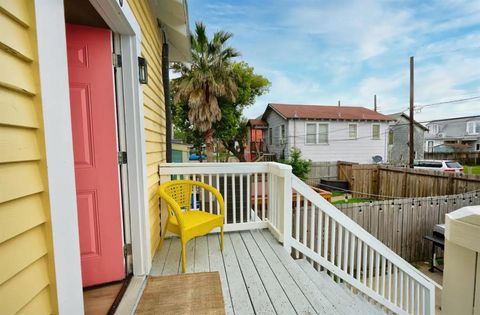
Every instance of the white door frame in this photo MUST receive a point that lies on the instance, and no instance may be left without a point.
(54, 90)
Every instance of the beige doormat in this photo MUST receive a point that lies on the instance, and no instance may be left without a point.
(190, 293)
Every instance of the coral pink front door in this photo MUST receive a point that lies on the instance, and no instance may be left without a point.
(95, 153)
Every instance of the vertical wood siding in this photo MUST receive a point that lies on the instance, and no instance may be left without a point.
(154, 109)
(27, 281)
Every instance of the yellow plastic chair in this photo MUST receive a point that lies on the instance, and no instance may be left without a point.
(184, 221)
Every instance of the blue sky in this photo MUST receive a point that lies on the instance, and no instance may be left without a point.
(319, 52)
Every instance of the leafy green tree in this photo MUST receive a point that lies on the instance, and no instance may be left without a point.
(300, 167)
(203, 81)
(231, 130)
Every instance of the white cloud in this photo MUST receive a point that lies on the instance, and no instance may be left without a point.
(368, 26)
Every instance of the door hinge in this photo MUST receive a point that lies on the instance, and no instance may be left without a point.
(127, 249)
(122, 157)
(117, 60)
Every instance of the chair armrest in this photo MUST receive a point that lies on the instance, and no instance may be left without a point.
(171, 204)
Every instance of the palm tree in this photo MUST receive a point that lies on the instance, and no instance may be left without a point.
(208, 77)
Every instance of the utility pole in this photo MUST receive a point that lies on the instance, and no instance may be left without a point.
(375, 102)
(411, 144)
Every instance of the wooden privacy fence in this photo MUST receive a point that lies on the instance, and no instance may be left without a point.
(401, 224)
(366, 180)
(322, 170)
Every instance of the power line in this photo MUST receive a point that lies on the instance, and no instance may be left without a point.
(460, 100)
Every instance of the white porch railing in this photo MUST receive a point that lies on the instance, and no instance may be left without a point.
(259, 195)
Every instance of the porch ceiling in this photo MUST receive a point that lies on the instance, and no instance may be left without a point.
(173, 16)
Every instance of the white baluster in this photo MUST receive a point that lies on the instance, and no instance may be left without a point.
(203, 193)
(346, 251)
(263, 196)
(241, 198)
(326, 236)
(320, 230)
(225, 195)
(249, 207)
(340, 246)
(234, 199)
(210, 209)
(377, 272)
(255, 199)
(312, 227)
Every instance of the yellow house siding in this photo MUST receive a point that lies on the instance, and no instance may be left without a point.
(154, 109)
(27, 281)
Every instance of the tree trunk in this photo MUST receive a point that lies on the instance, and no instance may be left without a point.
(209, 145)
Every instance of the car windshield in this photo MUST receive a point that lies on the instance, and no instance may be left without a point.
(453, 165)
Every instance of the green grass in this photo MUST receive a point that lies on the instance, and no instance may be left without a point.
(351, 200)
(475, 169)
(337, 193)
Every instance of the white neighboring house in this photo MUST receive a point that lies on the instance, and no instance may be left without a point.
(326, 133)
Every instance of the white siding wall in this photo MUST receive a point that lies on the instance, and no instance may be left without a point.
(340, 147)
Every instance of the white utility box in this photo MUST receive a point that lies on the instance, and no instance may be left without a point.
(461, 277)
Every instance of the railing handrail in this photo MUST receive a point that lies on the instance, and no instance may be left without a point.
(219, 168)
(359, 232)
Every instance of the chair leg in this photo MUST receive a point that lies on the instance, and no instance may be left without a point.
(221, 238)
(184, 257)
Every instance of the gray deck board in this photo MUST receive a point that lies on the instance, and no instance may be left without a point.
(278, 297)
(257, 275)
(159, 260)
(216, 264)
(258, 295)
(238, 290)
(294, 293)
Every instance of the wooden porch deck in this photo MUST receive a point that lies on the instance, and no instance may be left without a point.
(258, 276)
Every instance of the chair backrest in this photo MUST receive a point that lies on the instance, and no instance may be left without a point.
(180, 192)
(178, 195)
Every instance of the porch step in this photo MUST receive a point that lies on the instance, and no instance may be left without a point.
(338, 294)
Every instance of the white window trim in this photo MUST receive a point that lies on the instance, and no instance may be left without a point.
(328, 133)
(379, 132)
(54, 88)
(316, 133)
(356, 131)
(472, 123)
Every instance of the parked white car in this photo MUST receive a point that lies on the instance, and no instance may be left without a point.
(439, 165)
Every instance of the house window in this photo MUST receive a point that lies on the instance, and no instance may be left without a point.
(352, 131)
(434, 128)
(311, 134)
(473, 127)
(270, 136)
(390, 137)
(279, 134)
(375, 131)
(322, 133)
(430, 146)
(477, 147)
(283, 138)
